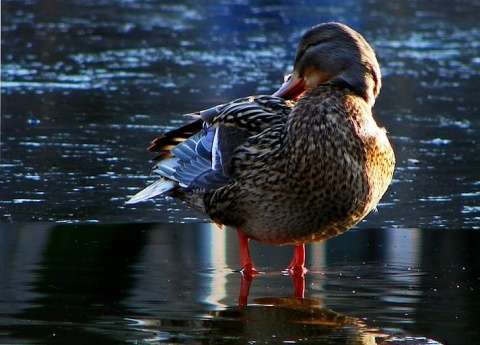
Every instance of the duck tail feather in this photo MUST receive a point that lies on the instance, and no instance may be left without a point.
(158, 187)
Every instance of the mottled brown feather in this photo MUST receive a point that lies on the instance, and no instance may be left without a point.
(312, 178)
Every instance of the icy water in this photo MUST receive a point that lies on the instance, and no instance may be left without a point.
(86, 85)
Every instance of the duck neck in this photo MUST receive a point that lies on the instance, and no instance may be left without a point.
(319, 121)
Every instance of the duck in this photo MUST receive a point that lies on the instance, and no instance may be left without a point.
(299, 166)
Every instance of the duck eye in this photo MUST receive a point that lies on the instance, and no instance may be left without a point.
(287, 78)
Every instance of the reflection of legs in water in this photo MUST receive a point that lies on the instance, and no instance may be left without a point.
(298, 279)
(245, 284)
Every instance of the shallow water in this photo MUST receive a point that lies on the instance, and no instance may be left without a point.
(86, 87)
(174, 283)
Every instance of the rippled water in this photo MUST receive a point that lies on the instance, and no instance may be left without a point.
(86, 87)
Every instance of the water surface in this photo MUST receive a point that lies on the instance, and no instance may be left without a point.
(86, 87)
(175, 283)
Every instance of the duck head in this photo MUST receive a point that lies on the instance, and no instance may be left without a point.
(333, 52)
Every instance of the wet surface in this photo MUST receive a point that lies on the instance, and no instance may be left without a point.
(86, 87)
(174, 283)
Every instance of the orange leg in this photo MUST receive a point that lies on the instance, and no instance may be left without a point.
(297, 270)
(298, 262)
(248, 269)
(246, 261)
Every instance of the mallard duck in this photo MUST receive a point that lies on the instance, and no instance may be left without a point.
(299, 166)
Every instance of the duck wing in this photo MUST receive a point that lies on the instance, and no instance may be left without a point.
(169, 140)
(197, 156)
(204, 159)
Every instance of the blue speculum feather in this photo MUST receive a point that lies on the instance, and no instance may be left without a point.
(194, 162)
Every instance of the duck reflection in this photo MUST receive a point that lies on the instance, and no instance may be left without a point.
(298, 279)
(283, 319)
(269, 320)
(289, 319)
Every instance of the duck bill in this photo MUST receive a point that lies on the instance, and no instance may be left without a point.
(292, 88)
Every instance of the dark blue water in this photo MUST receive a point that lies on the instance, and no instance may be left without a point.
(86, 87)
